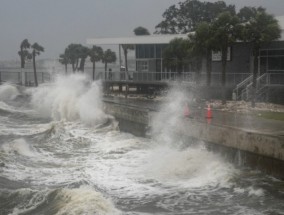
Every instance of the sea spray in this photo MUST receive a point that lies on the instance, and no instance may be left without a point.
(70, 98)
(8, 92)
(173, 159)
(169, 118)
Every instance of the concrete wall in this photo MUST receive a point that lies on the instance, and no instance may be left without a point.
(131, 119)
(265, 152)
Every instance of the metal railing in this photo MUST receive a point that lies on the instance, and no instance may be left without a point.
(192, 77)
(15, 75)
(241, 86)
(262, 83)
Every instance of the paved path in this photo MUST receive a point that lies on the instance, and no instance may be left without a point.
(223, 118)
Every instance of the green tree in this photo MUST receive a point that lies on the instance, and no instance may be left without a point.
(202, 45)
(36, 50)
(187, 15)
(83, 53)
(63, 58)
(24, 52)
(96, 54)
(141, 31)
(125, 48)
(247, 13)
(108, 57)
(261, 28)
(176, 53)
(73, 53)
(226, 30)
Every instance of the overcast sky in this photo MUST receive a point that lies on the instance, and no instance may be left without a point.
(56, 23)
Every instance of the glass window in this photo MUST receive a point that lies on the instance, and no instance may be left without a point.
(142, 66)
(276, 63)
(145, 51)
(275, 52)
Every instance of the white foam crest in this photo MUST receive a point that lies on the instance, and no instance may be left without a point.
(191, 167)
(84, 200)
(255, 192)
(19, 146)
(8, 92)
(6, 107)
(21, 130)
(38, 197)
(70, 98)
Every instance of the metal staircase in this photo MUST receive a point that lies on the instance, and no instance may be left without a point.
(243, 90)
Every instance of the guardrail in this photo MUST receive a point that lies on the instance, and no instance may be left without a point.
(262, 83)
(16, 76)
(192, 77)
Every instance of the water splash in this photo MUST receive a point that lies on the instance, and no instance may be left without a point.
(8, 92)
(70, 98)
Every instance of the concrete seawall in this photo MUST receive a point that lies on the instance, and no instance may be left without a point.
(258, 150)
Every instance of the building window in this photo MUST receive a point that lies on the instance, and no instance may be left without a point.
(145, 51)
(217, 55)
(142, 66)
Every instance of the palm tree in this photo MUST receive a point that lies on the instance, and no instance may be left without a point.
(108, 57)
(202, 46)
(24, 52)
(96, 54)
(63, 58)
(73, 53)
(176, 53)
(125, 48)
(226, 30)
(37, 49)
(259, 29)
(83, 53)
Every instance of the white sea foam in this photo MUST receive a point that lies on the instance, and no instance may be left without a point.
(8, 92)
(167, 162)
(169, 117)
(19, 146)
(191, 167)
(71, 97)
(84, 200)
(255, 192)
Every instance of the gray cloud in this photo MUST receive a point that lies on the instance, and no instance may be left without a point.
(56, 23)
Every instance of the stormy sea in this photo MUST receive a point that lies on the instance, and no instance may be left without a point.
(60, 153)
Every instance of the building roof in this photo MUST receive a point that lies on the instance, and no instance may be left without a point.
(155, 39)
(148, 39)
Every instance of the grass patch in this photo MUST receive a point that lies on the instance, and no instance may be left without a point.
(271, 115)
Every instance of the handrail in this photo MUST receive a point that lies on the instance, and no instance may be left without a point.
(240, 85)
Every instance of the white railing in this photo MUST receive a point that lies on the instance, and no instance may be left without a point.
(192, 77)
(16, 76)
(241, 86)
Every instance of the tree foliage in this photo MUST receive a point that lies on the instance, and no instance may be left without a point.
(36, 50)
(202, 44)
(260, 28)
(96, 54)
(176, 53)
(187, 15)
(23, 53)
(63, 59)
(226, 30)
(108, 57)
(141, 31)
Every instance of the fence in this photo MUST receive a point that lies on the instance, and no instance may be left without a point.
(232, 79)
(15, 75)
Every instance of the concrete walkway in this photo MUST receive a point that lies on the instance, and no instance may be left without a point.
(240, 121)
